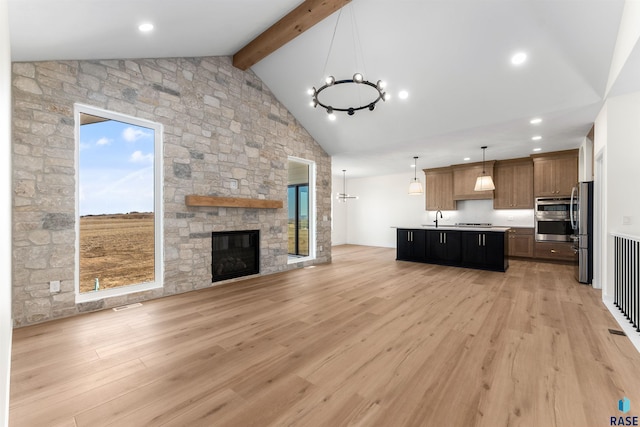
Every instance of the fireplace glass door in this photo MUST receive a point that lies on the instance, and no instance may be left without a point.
(234, 254)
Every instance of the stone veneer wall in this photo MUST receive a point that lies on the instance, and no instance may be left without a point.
(219, 123)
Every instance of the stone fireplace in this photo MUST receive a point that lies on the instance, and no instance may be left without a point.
(234, 254)
(224, 135)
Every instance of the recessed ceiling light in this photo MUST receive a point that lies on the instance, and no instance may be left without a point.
(519, 58)
(536, 138)
(536, 121)
(466, 159)
(403, 94)
(537, 149)
(145, 27)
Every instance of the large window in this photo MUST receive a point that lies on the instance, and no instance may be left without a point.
(300, 204)
(119, 204)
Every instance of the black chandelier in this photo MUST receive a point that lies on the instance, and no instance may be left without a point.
(365, 103)
(357, 79)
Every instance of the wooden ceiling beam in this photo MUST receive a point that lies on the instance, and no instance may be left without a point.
(299, 20)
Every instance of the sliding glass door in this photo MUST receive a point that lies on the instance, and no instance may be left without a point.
(298, 200)
(300, 208)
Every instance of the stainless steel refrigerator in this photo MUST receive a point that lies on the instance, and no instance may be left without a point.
(582, 223)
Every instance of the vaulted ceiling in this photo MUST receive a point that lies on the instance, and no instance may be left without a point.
(452, 57)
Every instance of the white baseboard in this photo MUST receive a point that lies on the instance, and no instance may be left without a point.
(626, 326)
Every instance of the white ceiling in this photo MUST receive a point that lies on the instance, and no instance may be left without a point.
(452, 56)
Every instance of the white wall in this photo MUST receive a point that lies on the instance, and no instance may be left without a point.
(622, 157)
(623, 151)
(600, 238)
(384, 203)
(617, 152)
(5, 216)
(339, 213)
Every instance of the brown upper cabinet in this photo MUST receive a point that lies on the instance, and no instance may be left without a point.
(517, 181)
(555, 174)
(514, 184)
(439, 189)
(464, 181)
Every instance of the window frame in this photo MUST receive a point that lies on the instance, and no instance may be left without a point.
(312, 211)
(157, 205)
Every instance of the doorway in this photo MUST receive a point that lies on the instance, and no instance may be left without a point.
(300, 207)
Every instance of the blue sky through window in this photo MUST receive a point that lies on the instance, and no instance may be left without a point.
(116, 168)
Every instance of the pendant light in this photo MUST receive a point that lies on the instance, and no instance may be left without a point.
(484, 181)
(415, 186)
(342, 197)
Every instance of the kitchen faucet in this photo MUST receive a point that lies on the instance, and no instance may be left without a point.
(438, 212)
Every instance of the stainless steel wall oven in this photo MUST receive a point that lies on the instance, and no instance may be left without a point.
(553, 219)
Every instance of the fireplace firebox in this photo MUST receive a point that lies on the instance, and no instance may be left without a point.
(234, 254)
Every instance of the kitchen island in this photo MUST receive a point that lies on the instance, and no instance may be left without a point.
(473, 247)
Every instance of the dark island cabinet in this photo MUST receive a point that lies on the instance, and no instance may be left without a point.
(443, 246)
(485, 250)
(482, 249)
(411, 245)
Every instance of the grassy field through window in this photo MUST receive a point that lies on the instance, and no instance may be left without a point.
(303, 237)
(116, 249)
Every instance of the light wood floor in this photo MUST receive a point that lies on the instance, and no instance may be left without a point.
(364, 341)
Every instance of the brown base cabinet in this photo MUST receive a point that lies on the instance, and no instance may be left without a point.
(521, 242)
(556, 251)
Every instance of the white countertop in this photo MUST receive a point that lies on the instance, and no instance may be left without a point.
(446, 227)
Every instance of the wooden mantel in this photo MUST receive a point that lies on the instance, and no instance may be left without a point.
(232, 202)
